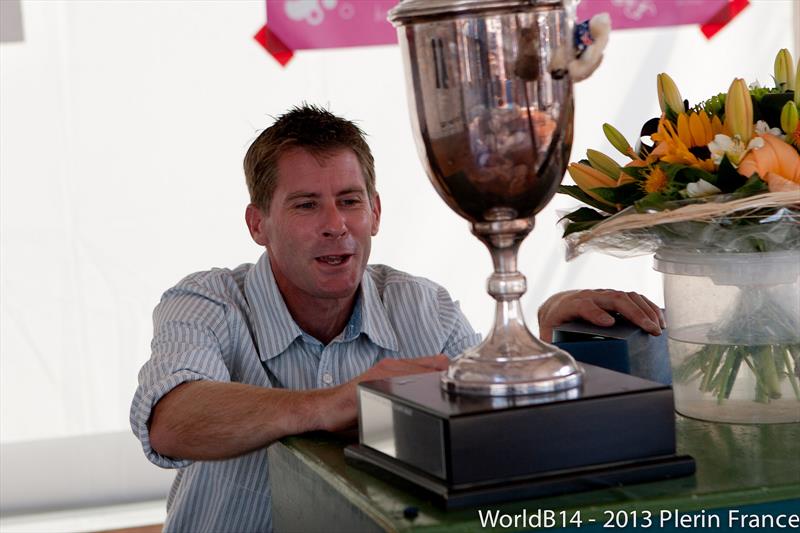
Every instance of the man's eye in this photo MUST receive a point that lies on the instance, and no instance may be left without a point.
(305, 205)
(351, 201)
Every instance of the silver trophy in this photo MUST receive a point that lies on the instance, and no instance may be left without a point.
(492, 111)
(491, 102)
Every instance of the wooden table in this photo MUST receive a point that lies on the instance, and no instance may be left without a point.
(751, 468)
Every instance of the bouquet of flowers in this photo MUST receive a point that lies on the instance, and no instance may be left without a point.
(720, 176)
(729, 161)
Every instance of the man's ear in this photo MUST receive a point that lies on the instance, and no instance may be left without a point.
(255, 219)
(376, 214)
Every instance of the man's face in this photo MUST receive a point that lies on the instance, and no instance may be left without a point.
(320, 225)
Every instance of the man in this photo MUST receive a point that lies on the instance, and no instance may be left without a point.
(243, 357)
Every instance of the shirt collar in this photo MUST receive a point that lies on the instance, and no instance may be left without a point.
(275, 328)
(273, 324)
(374, 320)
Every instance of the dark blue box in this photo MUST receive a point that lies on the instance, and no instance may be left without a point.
(622, 347)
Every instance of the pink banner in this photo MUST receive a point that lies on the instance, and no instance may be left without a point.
(306, 24)
(649, 13)
(303, 24)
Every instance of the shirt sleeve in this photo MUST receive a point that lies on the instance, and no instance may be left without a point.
(190, 335)
(460, 334)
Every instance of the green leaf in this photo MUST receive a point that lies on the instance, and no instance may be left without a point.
(635, 172)
(625, 194)
(728, 179)
(575, 227)
(768, 108)
(683, 174)
(691, 175)
(653, 201)
(714, 105)
(584, 214)
(679, 175)
(577, 193)
(671, 169)
(754, 185)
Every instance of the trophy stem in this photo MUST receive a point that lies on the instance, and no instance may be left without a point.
(511, 360)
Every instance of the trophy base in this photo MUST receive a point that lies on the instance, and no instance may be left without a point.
(539, 486)
(551, 371)
(530, 366)
(468, 450)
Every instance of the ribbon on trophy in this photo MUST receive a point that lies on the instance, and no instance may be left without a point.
(312, 24)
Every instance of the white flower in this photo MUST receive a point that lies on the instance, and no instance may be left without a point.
(701, 188)
(762, 127)
(734, 148)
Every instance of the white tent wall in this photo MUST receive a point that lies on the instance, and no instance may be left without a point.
(122, 130)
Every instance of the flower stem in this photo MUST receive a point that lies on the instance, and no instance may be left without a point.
(712, 361)
(737, 357)
(771, 379)
(790, 370)
(761, 394)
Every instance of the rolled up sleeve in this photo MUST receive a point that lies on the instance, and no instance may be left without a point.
(190, 335)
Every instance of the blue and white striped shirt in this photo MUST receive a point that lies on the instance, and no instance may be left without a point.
(216, 325)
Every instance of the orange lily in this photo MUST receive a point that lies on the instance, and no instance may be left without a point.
(588, 178)
(739, 110)
(696, 129)
(777, 163)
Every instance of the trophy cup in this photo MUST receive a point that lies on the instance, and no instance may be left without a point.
(492, 111)
(493, 126)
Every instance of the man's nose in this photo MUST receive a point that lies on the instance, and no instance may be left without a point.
(333, 222)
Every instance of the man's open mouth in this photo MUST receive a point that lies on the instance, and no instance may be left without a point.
(334, 259)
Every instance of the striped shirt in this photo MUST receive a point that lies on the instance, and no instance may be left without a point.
(233, 325)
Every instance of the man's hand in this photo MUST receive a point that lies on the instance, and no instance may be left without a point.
(338, 410)
(593, 305)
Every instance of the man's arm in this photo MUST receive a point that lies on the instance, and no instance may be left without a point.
(593, 306)
(206, 420)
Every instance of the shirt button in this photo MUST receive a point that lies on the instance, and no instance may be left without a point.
(327, 378)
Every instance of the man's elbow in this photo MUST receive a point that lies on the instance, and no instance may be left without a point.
(162, 437)
(165, 431)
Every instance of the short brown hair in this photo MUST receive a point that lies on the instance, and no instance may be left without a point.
(309, 127)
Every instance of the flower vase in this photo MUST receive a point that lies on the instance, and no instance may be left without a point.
(734, 334)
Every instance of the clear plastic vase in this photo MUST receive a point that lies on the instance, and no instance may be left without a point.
(734, 334)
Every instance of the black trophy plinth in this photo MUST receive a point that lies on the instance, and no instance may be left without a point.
(472, 450)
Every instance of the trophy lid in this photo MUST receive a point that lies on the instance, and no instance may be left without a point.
(409, 10)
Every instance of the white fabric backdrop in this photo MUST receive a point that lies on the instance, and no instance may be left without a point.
(122, 130)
